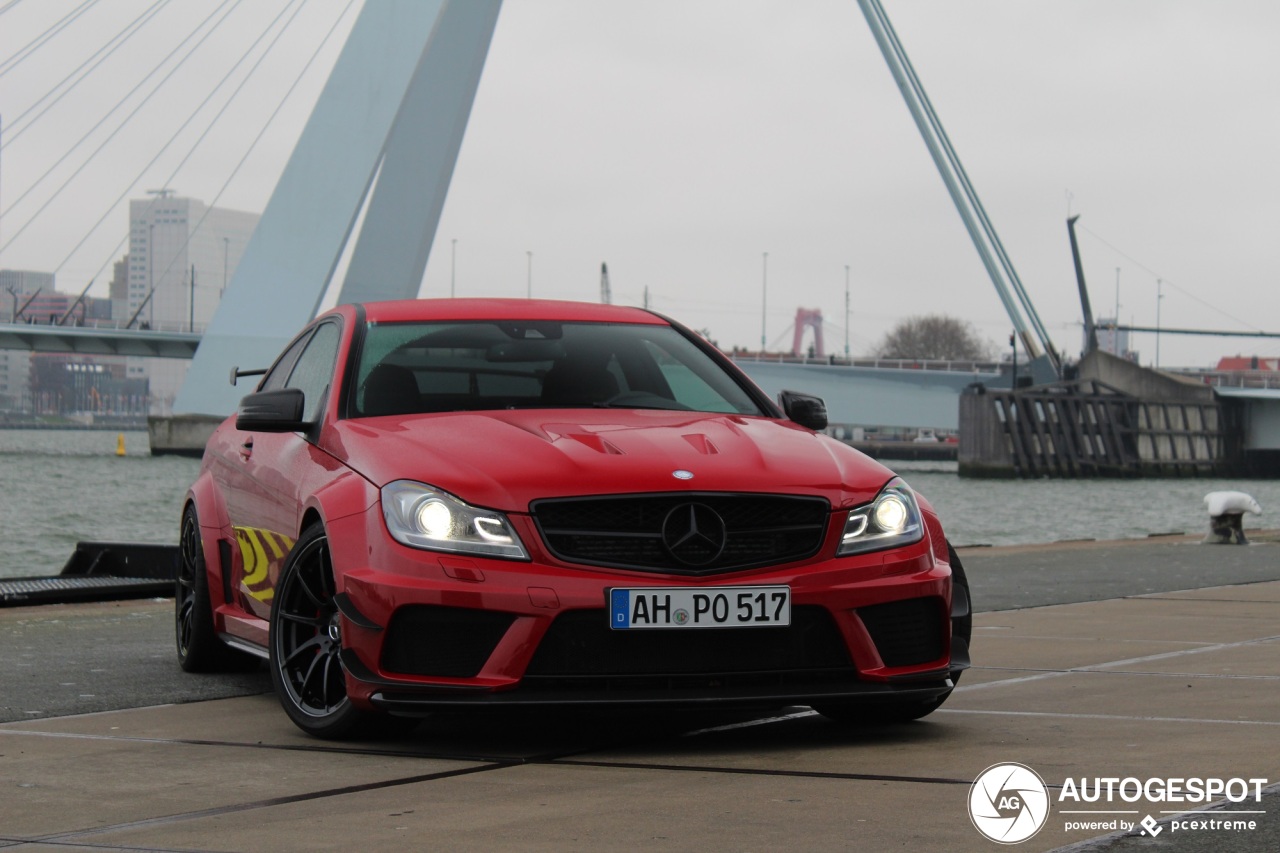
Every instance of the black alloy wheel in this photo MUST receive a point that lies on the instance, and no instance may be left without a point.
(199, 648)
(886, 713)
(306, 641)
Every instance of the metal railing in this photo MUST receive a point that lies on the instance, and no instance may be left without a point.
(1234, 378)
(113, 325)
(965, 366)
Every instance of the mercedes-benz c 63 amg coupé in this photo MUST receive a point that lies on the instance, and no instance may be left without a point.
(437, 504)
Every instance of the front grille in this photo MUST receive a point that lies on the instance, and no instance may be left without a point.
(581, 643)
(686, 533)
(451, 642)
(908, 632)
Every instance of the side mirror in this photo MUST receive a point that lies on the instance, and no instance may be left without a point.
(272, 411)
(804, 409)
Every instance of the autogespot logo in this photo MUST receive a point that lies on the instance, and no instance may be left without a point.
(1008, 803)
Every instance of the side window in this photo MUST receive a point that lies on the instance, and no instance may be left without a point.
(314, 369)
(279, 372)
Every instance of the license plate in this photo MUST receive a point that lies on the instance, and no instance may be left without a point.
(683, 607)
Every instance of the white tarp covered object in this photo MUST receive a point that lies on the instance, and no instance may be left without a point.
(1231, 503)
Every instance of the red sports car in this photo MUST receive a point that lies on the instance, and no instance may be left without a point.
(457, 503)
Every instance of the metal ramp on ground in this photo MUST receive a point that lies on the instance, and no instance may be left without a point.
(99, 571)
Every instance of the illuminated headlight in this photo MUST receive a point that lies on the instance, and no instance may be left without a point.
(422, 517)
(891, 520)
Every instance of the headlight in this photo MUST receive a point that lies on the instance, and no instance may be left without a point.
(422, 517)
(891, 520)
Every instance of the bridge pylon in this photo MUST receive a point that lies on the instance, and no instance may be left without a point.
(381, 141)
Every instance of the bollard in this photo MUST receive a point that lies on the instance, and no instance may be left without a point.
(120, 444)
(1226, 517)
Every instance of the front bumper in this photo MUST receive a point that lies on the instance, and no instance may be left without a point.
(425, 631)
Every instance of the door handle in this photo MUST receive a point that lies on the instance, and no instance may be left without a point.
(246, 449)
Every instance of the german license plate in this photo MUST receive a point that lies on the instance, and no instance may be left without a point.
(684, 607)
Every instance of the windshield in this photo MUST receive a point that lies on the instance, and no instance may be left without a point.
(408, 368)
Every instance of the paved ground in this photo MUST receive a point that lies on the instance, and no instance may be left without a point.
(1161, 662)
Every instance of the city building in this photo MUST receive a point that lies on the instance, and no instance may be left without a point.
(92, 388)
(18, 288)
(55, 384)
(1113, 340)
(182, 255)
(20, 285)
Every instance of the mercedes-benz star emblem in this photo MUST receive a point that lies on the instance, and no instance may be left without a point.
(694, 534)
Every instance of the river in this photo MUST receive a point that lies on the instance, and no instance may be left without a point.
(61, 487)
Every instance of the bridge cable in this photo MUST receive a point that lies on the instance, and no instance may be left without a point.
(41, 40)
(984, 236)
(7, 6)
(195, 145)
(113, 44)
(262, 132)
(1155, 274)
(168, 75)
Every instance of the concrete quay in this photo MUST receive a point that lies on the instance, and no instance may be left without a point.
(1152, 659)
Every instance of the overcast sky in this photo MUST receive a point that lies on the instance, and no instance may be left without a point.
(679, 140)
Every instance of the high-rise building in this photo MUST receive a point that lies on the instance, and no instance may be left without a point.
(182, 255)
(1113, 340)
(18, 289)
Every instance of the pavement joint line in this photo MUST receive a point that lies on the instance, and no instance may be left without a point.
(7, 843)
(219, 811)
(759, 771)
(1208, 675)
(286, 747)
(1125, 662)
(1173, 596)
(1141, 641)
(486, 766)
(1126, 717)
(1126, 672)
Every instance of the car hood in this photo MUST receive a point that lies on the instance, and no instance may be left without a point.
(506, 459)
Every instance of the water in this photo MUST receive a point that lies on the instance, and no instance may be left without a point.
(1016, 512)
(61, 487)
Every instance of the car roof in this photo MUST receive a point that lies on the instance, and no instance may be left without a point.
(435, 310)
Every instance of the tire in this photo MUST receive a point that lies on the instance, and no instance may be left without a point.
(890, 712)
(305, 642)
(198, 645)
(961, 612)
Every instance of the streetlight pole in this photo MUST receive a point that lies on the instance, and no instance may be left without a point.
(1159, 299)
(1115, 332)
(846, 312)
(151, 269)
(764, 300)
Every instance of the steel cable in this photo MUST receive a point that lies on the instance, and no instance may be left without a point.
(113, 44)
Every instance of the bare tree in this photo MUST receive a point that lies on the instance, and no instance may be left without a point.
(937, 337)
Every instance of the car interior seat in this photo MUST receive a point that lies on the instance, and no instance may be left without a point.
(572, 383)
(390, 389)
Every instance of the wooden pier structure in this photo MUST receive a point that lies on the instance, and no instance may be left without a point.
(1116, 420)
